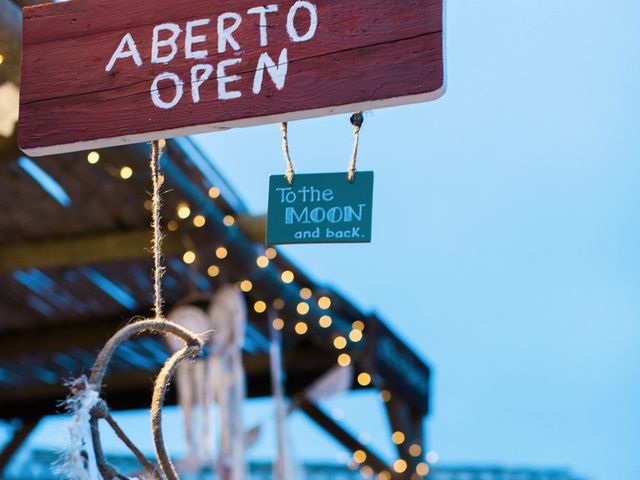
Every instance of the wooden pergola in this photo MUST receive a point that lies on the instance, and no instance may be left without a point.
(75, 266)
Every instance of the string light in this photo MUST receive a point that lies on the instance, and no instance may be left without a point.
(228, 220)
(301, 328)
(324, 303)
(355, 335)
(422, 469)
(383, 475)
(1, 58)
(172, 226)
(358, 325)
(340, 342)
(246, 285)
(271, 253)
(92, 157)
(366, 471)
(147, 205)
(259, 306)
(287, 276)
(183, 211)
(221, 252)
(213, 271)
(214, 192)
(278, 323)
(397, 438)
(125, 173)
(344, 360)
(359, 456)
(415, 450)
(305, 293)
(325, 321)
(302, 308)
(364, 379)
(278, 304)
(385, 395)
(432, 456)
(189, 257)
(199, 221)
(262, 261)
(400, 466)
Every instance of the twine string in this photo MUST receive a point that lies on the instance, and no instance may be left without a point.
(285, 149)
(357, 119)
(156, 243)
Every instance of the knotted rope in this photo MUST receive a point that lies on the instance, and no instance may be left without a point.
(285, 149)
(90, 389)
(357, 119)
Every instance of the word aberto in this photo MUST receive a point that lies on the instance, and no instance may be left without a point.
(166, 42)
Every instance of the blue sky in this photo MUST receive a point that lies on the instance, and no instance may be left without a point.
(506, 235)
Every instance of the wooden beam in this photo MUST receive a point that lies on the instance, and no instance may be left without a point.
(17, 440)
(350, 442)
(91, 249)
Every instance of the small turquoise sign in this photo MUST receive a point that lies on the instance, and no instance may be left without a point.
(320, 208)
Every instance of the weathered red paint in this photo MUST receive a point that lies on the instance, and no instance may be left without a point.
(364, 54)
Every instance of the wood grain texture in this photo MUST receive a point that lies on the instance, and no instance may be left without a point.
(364, 54)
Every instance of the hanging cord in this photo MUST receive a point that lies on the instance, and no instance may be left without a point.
(156, 243)
(285, 149)
(194, 345)
(357, 119)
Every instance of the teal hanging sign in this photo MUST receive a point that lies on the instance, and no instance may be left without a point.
(320, 208)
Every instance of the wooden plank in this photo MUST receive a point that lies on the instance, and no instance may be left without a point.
(79, 93)
(67, 252)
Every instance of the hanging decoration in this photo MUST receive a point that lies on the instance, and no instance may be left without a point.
(320, 207)
(228, 316)
(194, 387)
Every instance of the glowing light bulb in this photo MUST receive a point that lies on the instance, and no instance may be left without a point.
(364, 379)
(172, 225)
(415, 450)
(385, 395)
(422, 469)
(126, 173)
(213, 271)
(339, 342)
(325, 321)
(93, 157)
(259, 306)
(214, 192)
(228, 220)
(189, 257)
(358, 325)
(271, 253)
(278, 323)
(287, 276)
(278, 304)
(355, 335)
(199, 221)
(359, 456)
(305, 293)
(324, 303)
(221, 252)
(183, 211)
(301, 328)
(246, 285)
(262, 261)
(302, 308)
(397, 438)
(344, 360)
(400, 466)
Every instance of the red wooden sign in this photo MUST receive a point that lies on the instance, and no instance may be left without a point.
(99, 73)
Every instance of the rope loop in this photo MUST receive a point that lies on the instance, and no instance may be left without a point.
(285, 149)
(357, 119)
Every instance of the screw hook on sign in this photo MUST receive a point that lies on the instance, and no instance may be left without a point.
(357, 119)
